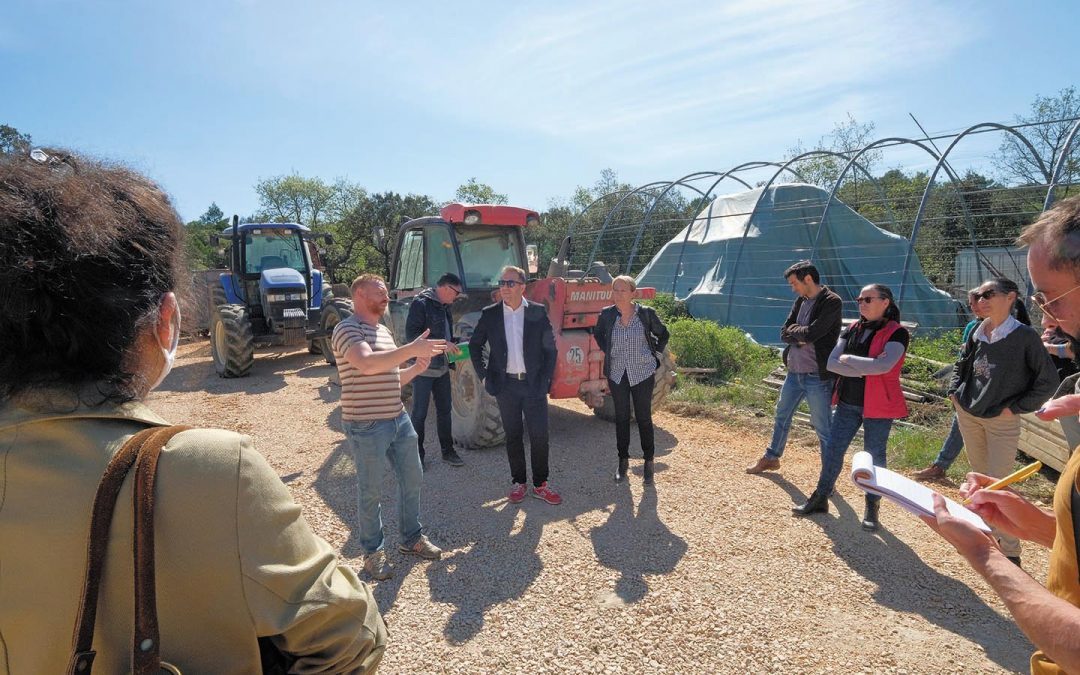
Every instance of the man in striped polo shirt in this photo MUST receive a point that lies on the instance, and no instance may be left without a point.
(375, 422)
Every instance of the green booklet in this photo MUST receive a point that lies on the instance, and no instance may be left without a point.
(463, 355)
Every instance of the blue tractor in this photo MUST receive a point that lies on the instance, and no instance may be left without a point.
(271, 294)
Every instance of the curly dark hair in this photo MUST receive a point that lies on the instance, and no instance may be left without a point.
(88, 250)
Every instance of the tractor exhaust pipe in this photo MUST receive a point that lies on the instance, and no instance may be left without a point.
(560, 264)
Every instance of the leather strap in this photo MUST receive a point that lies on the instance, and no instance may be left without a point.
(152, 439)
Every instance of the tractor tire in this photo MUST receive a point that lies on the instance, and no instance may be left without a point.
(232, 343)
(474, 412)
(665, 382)
(217, 295)
(475, 417)
(334, 312)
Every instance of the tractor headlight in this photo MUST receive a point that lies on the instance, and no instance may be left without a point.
(471, 218)
(286, 297)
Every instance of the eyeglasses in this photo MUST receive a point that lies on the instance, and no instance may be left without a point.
(509, 283)
(457, 291)
(1044, 304)
(985, 295)
(870, 298)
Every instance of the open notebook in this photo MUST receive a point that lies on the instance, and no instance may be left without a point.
(913, 496)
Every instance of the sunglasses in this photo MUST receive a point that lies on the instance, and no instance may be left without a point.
(1044, 304)
(870, 298)
(985, 295)
(509, 283)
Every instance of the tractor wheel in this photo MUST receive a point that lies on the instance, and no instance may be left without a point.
(665, 382)
(474, 413)
(314, 347)
(333, 313)
(231, 341)
(217, 295)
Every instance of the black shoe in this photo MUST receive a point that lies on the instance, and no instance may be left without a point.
(870, 515)
(818, 503)
(647, 474)
(452, 458)
(1015, 559)
(624, 466)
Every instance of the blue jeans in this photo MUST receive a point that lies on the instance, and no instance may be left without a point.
(845, 423)
(369, 442)
(952, 446)
(818, 395)
(423, 389)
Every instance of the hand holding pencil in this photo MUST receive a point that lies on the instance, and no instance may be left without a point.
(1008, 511)
(1014, 477)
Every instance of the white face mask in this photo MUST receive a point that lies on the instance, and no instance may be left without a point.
(170, 351)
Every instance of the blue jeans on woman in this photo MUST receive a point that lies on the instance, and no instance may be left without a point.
(846, 421)
(370, 442)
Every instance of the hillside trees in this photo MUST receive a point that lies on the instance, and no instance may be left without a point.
(1052, 118)
(12, 141)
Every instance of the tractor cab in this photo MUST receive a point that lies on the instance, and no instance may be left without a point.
(272, 293)
(473, 242)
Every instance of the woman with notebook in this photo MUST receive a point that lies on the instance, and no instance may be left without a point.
(1003, 372)
(867, 357)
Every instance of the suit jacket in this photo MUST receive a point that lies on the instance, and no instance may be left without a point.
(538, 348)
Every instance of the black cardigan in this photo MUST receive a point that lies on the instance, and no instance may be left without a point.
(656, 333)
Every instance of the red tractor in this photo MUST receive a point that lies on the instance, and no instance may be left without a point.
(476, 242)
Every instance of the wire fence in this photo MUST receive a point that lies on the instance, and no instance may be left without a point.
(955, 226)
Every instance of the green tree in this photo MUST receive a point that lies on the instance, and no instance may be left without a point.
(201, 255)
(1053, 117)
(473, 192)
(12, 141)
(294, 199)
(354, 249)
(846, 138)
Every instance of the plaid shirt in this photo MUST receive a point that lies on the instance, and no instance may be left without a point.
(630, 353)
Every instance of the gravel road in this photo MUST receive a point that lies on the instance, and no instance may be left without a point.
(708, 573)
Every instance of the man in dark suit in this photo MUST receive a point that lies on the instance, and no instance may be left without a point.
(518, 372)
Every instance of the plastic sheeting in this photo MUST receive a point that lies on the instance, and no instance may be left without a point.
(728, 264)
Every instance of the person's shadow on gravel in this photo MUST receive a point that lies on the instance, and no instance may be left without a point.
(636, 545)
(907, 584)
(491, 571)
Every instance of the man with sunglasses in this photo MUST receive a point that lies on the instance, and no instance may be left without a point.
(430, 311)
(1049, 616)
(517, 371)
(810, 332)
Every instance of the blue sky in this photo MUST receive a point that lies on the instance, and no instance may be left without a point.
(533, 98)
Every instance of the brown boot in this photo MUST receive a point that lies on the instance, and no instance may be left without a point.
(932, 472)
(766, 463)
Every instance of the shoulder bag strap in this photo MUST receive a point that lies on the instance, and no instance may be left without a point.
(108, 491)
(146, 644)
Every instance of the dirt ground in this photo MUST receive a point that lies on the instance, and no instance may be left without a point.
(706, 573)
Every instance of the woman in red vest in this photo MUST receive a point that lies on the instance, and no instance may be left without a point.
(868, 357)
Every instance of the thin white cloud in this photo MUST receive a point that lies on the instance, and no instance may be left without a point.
(616, 69)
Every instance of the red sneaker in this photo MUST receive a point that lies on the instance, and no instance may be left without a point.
(547, 494)
(518, 493)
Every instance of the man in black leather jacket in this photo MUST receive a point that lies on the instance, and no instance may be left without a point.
(430, 310)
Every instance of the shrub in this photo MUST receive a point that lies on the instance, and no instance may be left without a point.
(704, 344)
(668, 308)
